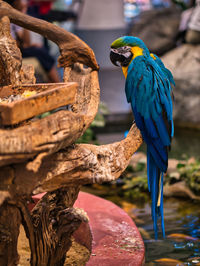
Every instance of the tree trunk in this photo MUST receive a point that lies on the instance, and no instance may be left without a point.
(10, 220)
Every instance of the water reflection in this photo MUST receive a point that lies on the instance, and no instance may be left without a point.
(182, 222)
(185, 144)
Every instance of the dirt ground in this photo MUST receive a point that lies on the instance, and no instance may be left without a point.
(76, 256)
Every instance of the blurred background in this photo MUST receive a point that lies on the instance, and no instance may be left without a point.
(170, 29)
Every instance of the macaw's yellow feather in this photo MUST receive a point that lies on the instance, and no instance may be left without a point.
(125, 71)
(152, 55)
(136, 51)
(159, 195)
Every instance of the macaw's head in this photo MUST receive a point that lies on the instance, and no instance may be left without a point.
(126, 48)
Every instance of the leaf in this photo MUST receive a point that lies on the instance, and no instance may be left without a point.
(140, 166)
(103, 108)
(168, 261)
(99, 121)
(180, 165)
(182, 237)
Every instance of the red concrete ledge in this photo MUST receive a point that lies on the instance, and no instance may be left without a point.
(116, 239)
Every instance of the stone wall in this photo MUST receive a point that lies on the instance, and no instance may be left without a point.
(184, 62)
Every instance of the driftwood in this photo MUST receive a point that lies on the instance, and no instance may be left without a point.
(11, 69)
(76, 165)
(10, 221)
(40, 156)
(60, 129)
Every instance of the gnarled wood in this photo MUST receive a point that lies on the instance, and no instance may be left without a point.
(59, 167)
(10, 220)
(78, 164)
(53, 221)
(53, 133)
(57, 130)
(11, 69)
(49, 227)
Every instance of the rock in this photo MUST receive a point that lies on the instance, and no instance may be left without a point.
(144, 233)
(138, 157)
(179, 189)
(158, 29)
(172, 164)
(184, 62)
(175, 175)
(192, 160)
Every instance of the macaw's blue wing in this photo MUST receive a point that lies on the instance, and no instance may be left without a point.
(164, 69)
(148, 90)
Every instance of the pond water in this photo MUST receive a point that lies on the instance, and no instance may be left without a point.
(181, 218)
(185, 142)
(182, 228)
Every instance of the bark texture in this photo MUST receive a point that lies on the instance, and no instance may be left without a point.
(40, 155)
(10, 220)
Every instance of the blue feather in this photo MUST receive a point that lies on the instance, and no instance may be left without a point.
(172, 128)
(154, 182)
(161, 207)
(149, 95)
(165, 70)
(162, 131)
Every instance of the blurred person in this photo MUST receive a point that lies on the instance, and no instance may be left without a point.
(52, 11)
(38, 8)
(29, 49)
(46, 10)
(193, 32)
(189, 28)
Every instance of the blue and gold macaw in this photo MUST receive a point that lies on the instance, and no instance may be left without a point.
(148, 89)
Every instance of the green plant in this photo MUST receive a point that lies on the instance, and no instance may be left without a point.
(191, 174)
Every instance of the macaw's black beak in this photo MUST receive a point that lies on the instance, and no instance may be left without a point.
(120, 56)
(115, 57)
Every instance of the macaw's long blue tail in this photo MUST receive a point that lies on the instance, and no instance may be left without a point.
(155, 184)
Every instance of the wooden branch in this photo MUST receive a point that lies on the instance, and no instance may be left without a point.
(46, 135)
(84, 163)
(78, 164)
(49, 227)
(10, 56)
(11, 69)
(10, 220)
(72, 49)
(54, 218)
(57, 130)
(88, 94)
